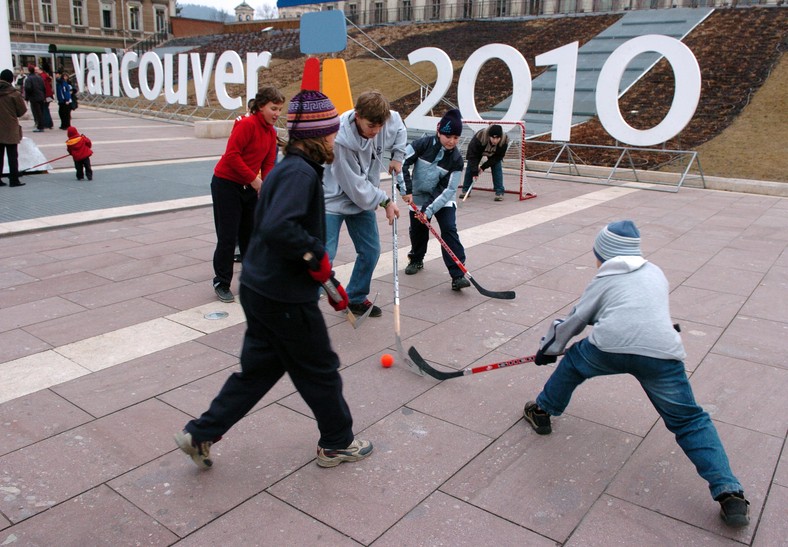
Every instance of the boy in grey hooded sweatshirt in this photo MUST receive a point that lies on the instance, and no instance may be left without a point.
(627, 304)
(352, 187)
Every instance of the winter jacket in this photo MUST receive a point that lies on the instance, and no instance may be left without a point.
(251, 149)
(48, 91)
(436, 173)
(628, 305)
(352, 182)
(480, 147)
(34, 88)
(289, 222)
(12, 106)
(79, 147)
(63, 89)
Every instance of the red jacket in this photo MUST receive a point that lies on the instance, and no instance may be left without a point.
(79, 147)
(251, 148)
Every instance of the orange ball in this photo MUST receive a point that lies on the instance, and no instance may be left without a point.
(386, 360)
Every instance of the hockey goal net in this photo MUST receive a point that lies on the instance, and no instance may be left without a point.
(514, 179)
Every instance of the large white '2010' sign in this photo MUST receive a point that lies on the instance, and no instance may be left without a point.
(686, 94)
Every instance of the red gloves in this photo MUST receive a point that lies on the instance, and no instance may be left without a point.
(320, 270)
(337, 296)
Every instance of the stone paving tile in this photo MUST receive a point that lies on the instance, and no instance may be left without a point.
(186, 297)
(32, 418)
(371, 391)
(36, 371)
(757, 340)
(98, 321)
(15, 344)
(201, 272)
(545, 257)
(20, 262)
(755, 261)
(13, 278)
(276, 523)
(77, 267)
(719, 389)
(659, 477)
(96, 517)
(145, 267)
(15, 317)
(164, 248)
(229, 340)
(5, 523)
(134, 381)
(728, 279)
(365, 499)
(781, 474)
(488, 403)
(93, 248)
(704, 306)
(773, 528)
(768, 300)
(569, 278)
(49, 287)
(127, 289)
(60, 467)
(195, 397)
(615, 522)
(677, 259)
(532, 305)
(259, 451)
(563, 474)
(698, 339)
(444, 520)
(439, 303)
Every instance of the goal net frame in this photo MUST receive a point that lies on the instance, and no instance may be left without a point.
(514, 177)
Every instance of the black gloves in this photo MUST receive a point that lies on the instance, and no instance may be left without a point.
(542, 359)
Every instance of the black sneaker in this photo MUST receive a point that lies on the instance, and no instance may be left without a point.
(362, 307)
(734, 509)
(459, 283)
(223, 292)
(538, 418)
(414, 266)
(237, 258)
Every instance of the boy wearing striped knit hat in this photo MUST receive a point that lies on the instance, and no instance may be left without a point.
(627, 305)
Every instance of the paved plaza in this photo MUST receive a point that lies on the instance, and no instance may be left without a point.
(108, 347)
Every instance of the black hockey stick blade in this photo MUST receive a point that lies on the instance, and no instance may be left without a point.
(426, 367)
(413, 367)
(501, 295)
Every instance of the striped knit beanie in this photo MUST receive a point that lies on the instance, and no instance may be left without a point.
(620, 238)
(311, 114)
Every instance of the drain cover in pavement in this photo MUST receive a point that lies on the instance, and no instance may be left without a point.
(216, 315)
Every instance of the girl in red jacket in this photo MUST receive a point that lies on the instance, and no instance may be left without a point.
(249, 156)
(80, 148)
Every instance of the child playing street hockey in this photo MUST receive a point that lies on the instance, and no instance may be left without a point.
(627, 305)
(437, 166)
(80, 148)
(490, 145)
(285, 264)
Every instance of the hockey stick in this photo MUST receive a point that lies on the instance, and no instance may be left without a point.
(468, 191)
(426, 367)
(397, 338)
(44, 163)
(332, 292)
(503, 295)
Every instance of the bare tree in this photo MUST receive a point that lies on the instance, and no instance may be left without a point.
(221, 15)
(267, 11)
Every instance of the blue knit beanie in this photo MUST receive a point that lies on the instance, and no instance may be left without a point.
(451, 123)
(621, 238)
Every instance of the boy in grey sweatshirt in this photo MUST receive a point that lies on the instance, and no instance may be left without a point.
(627, 305)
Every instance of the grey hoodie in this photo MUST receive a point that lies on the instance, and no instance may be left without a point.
(628, 305)
(352, 182)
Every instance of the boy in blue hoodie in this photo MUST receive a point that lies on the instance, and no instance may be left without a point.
(627, 304)
(437, 166)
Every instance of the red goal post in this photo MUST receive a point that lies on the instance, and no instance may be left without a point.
(514, 179)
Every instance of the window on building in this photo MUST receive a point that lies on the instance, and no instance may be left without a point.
(352, 13)
(406, 11)
(47, 11)
(14, 10)
(534, 7)
(378, 13)
(106, 16)
(135, 18)
(501, 8)
(160, 17)
(435, 9)
(77, 13)
(467, 9)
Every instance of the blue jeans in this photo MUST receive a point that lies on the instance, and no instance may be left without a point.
(666, 385)
(363, 230)
(497, 175)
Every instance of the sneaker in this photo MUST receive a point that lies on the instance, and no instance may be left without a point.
(459, 283)
(734, 509)
(223, 292)
(16, 184)
(498, 197)
(237, 258)
(462, 194)
(90, 177)
(538, 418)
(199, 452)
(414, 266)
(362, 307)
(358, 450)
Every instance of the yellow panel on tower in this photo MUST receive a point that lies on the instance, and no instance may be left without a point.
(336, 84)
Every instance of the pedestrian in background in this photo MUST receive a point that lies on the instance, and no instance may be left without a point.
(63, 92)
(12, 106)
(35, 94)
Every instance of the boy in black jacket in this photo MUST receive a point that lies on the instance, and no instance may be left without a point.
(283, 268)
(437, 165)
(490, 143)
